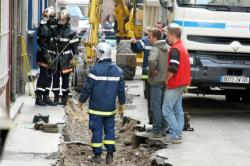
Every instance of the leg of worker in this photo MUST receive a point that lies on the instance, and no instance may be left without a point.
(56, 84)
(48, 80)
(155, 96)
(40, 87)
(96, 127)
(109, 131)
(150, 117)
(171, 96)
(178, 111)
(164, 123)
(65, 88)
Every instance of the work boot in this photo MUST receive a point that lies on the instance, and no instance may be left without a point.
(96, 158)
(56, 98)
(64, 99)
(48, 101)
(155, 135)
(109, 158)
(39, 100)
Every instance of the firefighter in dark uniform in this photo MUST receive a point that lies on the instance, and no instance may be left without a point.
(45, 54)
(67, 43)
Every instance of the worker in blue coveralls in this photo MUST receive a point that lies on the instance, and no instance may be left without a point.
(104, 84)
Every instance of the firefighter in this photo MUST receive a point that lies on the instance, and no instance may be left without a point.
(67, 44)
(104, 83)
(45, 54)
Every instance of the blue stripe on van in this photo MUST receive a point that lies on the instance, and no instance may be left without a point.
(195, 24)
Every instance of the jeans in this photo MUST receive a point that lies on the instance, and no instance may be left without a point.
(173, 111)
(147, 91)
(156, 101)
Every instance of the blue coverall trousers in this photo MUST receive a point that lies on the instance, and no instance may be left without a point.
(99, 125)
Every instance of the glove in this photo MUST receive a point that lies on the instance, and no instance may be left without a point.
(74, 62)
(121, 109)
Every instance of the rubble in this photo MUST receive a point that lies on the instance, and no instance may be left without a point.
(74, 150)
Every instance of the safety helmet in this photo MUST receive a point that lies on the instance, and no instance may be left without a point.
(64, 17)
(49, 13)
(103, 51)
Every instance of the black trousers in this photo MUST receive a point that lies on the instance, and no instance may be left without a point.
(44, 81)
(56, 81)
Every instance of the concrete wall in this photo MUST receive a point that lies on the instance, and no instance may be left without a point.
(4, 52)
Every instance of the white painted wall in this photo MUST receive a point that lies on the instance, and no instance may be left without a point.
(4, 51)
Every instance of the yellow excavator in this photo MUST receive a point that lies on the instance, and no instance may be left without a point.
(129, 22)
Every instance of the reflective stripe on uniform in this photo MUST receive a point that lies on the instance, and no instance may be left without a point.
(47, 88)
(103, 78)
(148, 47)
(64, 90)
(96, 145)
(64, 39)
(109, 142)
(51, 52)
(144, 77)
(67, 52)
(74, 41)
(102, 113)
(142, 44)
(174, 61)
(40, 89)
(56, 89)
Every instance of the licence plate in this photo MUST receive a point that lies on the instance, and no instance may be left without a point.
(234, 79)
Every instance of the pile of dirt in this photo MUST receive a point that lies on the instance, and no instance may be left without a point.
(74, 149)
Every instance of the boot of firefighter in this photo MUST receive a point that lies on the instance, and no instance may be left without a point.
(47, 100)
(39, 99)
(109, 158)
(64, 99)
(56, 98)
(97, 158)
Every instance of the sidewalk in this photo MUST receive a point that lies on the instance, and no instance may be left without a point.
(28, 147)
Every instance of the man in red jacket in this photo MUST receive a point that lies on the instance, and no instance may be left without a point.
(178, 78)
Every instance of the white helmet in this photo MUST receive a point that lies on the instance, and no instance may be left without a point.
(103, 51)
(49, 12)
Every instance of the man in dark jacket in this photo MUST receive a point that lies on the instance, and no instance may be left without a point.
(67, 42)
(157, 76)
(139, 46)
(45, 54)
(104, 83)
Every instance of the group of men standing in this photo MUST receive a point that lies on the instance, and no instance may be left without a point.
(56, 56)
(166, 74)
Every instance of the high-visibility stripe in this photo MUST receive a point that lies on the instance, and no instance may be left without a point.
(109, 142)
(64, 39)
(103, 78)
(144, 77)
(174, 61)
(102, 113)
(67, 52)
(56, 89)
(96, 145)
(74, 41)
(64, 90)
(51, 52)
(148, 47)
(41, 89)
(142, 44)
(47, 88)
